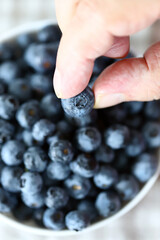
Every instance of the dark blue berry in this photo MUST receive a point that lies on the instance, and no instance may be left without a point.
(88, 139)
(101, 63)
(107, 203)
(49, 33)
(43, 129)
(28, 114)
(41, 84)
(133, 107)
(61, 151)
(22, 212)
(104, 154)
(77, 220)
(79, 105)
(56, 198)
(122, 161)
(8, 201)
(89, 207)
(41, 57)
(2, 88)
(6, 131)
(35, 200)
(9, 70)
(20, 89)
(51, 106)
(28, 139)
(25, 39)
(64, 127)
(152, 110)
(12, 152)
(35, 159)
(127, 187)
(8, 106)
(136, 144)
(84, 165)
(58, 170)
(10, 178)
(31, 183)
(116, 136)
(77, 186)
(6, 51)
(53, 219)
(55, 138)
(105, 177)
(144, 167)
(151, 132)
(38, 216)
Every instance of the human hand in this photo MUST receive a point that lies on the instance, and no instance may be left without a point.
(92, 28)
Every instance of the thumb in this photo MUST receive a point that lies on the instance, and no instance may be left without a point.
(136, 79)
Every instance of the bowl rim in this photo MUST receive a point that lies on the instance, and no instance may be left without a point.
(31, 27)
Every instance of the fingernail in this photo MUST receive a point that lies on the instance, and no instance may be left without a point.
(102, 100)
(57, 83)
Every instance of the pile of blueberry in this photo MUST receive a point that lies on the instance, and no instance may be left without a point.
(67, 168)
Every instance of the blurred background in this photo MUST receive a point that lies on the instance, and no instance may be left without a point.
(143, 222)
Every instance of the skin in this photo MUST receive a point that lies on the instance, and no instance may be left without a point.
(102, 27)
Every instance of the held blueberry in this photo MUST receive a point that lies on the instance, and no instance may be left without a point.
(53, 219)
(127, 187)
(107, 203)
(10, 178)
(77, 220)
(84, 165)
(31, 182)
(116, 136)
(61, 151)
(105, 177)
(12, 152)
(88, 139)
(43, 129)
(77, 186)
(35, 159)
(79, 105)
(56, 198)
(58, 170)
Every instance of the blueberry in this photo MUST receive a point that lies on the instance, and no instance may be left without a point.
(127, 187)
(56, 198)
(35, 200)
(136, 144)
(152, 110)
(12, 152)
(8, 201)
(61, 151)
(101, 63)
(88, 139)
(28, 114)
(10, 178)
(6, 131)
(8, 106)
(51, 106)
(84, 121)
(41, 84)
(6, 51)
(64, 127)
(115, 114)
(20, 89)
(38, 216)
(92, 80)
(55, 138)
(35, 159)
(104, 154)
(77, 186)
(53, 219)
(31, 183)
(84, 165)
(151, 132)
(144, 167)
(107, 203)
(22, 212)
(89, 207)
(121, 162)
(49, 33)
(41, 57)
(134, 121)
(77, 220)
(43, 129)
(79, 105)
(1, 168)
(25, 39)
(28, 139)
(58, 171)
(105, 177)
(116, 136)
(133, 107)
(9, 70)
(2, 88)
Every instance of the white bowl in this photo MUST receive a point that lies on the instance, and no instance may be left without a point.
(29, 229)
